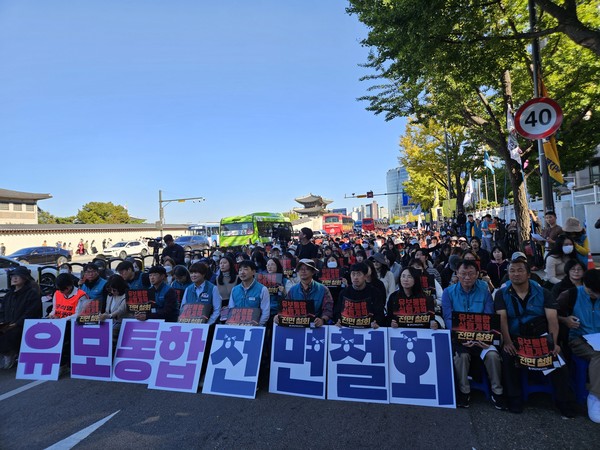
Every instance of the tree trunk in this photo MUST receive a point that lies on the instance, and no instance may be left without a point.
(460, 194)
(514, 172)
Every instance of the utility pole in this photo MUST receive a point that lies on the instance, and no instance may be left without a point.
(537, 73)
(161, 207)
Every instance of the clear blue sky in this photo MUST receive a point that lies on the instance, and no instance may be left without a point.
(246, 103)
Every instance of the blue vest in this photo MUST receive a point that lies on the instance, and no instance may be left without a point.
(96, 291)
(159, 296)
(587, 312)
(247, 298)
(177, 285)
(316, 294)
(136, 283)
(206, 296)
(472, 301)
(534, 307)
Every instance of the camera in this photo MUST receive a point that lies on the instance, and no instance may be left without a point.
(155, 242)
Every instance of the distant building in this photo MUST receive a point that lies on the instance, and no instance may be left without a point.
(312, 205)
(19, 207)
(372, 210)
(395, 179)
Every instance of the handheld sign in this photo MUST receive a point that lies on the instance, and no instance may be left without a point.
(331, 277)
(296, 313)
(535, 353)
(414, 312)
(195, 313)
(140, 300)
(355, 314)
(286, 263)
(271, 281)
(484, 328)
(89, 311)
(244, 316)
(538, 118)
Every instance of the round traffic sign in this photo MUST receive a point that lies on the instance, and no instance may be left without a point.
(538, 118)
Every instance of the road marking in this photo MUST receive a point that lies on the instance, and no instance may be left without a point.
(21, 389)
(76, 438)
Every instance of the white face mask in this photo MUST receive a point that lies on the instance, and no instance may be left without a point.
(168, 269)
(365, 245)
(567, 249)
(331, 264)
(187, 260)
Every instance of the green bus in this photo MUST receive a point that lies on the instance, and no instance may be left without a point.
(256, 227)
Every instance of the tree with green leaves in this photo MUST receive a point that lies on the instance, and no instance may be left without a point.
(103, 212)
(465, 63)
(425, 150)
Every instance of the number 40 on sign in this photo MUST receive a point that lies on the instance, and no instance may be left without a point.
(538, 118)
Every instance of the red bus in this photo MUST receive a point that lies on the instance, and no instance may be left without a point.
(368, 224)
(337, 224)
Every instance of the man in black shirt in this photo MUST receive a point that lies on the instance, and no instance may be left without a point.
(360, 296)
(307, 249)
(173, 250)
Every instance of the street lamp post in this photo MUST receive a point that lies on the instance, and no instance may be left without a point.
(162, 203)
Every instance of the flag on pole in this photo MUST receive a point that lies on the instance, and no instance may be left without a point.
(513, 143)
(551, 153)
(468, 192)
(417, 210)
(487, 163)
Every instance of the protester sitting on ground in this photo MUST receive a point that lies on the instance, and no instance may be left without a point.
(373, 280)
(274, 267)
(409, 289)
(574, 270)
(181, 278)
(249, 293)
(497, 267)
(423, 255)
(575, 231)
(383, 273)
(360, 291)
(225, 282)
(311, 290)
(92, 284)
(165, 298)
(448, 274)
(584, 319)
(470, 255)
(532, 275)
(22, 301)
(134, 279)
(66, 298)
(527, 309)
(560, 253)
(116, 303)
(202, 291)
(471, 294)
(484, 255)
(168, 263)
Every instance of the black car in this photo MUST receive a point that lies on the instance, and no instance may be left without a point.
(42, 255)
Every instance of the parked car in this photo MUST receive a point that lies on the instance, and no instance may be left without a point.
(42, 255)
(124, 249)
(190, 243)
(319, 234)
(45, 276)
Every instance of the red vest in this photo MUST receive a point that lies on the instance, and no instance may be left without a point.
(65, 307)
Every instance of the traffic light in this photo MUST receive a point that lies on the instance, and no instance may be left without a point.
(370, 194)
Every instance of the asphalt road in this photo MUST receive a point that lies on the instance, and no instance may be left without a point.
(50, 412)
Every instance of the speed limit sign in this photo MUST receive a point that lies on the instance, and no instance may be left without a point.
(538, 118)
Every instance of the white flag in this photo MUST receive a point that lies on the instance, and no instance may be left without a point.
(468, 192)
(513, 144)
